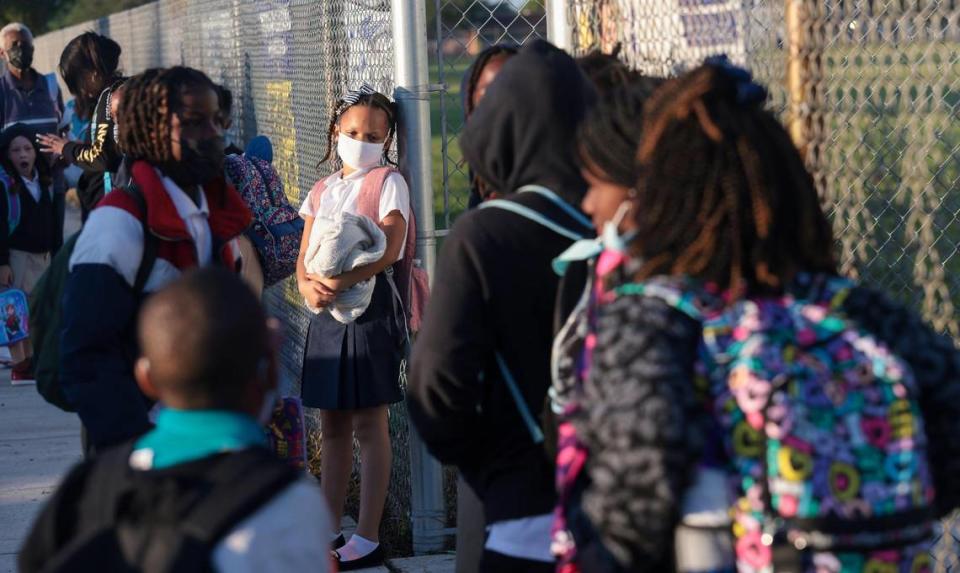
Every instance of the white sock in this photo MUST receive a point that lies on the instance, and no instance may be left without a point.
(356, 548)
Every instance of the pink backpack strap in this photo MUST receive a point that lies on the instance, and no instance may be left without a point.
(368, 203)
(313, 198)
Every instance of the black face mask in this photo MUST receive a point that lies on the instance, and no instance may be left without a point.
(20, 57)
(202, 161)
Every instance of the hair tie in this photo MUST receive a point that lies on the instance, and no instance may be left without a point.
(353, 96)
(749, 92)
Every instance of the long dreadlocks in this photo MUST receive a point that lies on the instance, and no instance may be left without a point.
(375, 100)
(150, 100)
(723, 194)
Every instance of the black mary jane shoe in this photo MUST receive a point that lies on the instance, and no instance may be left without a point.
(338, 542)
(372, 559)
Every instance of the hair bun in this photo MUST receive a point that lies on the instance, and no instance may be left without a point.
(746, 92)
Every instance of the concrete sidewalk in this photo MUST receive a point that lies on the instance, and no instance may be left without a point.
(38, 444)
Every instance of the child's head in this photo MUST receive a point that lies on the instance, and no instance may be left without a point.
(723, 193)
(606, 71)
(205, 344)
(88, 64)
(19, 151)
(362, 125)
(607, 147)
(170, 117)
(482, 73)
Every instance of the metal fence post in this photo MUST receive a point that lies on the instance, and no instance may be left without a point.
(412, 94)
(558, 24)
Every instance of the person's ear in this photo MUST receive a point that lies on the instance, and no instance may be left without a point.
(141, 371)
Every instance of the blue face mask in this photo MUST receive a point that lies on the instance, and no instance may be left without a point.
(610, 239)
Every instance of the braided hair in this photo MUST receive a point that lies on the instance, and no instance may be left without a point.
(497, 51)
(723, 194)
(607, 139)
(150, 100)
(375, 100)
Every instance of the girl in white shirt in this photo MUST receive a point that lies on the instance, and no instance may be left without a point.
(351, 371)
(30, 230)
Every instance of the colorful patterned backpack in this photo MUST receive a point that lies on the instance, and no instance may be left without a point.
(822, 428)
(277, 227)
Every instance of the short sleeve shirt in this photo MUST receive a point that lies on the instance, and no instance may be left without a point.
(342, 193)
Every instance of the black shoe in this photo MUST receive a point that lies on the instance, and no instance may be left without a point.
(338, 542)
(372, 559)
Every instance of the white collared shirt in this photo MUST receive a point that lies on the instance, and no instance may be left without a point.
(195, 217)
(33, 185)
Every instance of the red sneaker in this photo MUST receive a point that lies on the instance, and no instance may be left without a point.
(22, 374)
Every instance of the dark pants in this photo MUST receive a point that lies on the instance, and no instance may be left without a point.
(493, 562)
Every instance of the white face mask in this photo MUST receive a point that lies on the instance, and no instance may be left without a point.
(359, 154)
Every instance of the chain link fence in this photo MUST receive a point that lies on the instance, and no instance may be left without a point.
(461, 29)
(869, 89)
(286, 62)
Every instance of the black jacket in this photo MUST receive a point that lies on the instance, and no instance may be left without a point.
(39, 229)
(495, 289)
(100, 156)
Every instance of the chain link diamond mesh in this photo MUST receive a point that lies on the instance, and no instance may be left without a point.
(286, 62)
(460, 30)
(870, 87)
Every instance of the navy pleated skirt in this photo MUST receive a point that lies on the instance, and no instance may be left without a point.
(357, 365)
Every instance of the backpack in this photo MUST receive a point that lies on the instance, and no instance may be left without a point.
(820, 421)
(277, 227)
(407, 277)
(45, 310)
(109, 517)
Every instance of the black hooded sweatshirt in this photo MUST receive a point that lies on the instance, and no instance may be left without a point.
(494, 290)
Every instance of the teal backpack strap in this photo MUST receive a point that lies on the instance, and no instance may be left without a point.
(529, 213)
(669, 292)
(556, 200)
(535, 432)
(539, 218)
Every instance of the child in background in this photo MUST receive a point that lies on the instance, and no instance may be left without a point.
(481, 365)
(351, 371)
(476, 80)
(201, 490)
(725, 340)
(89, 65)
(29, 226)
(178, 214)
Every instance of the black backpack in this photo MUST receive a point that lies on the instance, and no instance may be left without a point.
(109, 517)
(46, 299)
